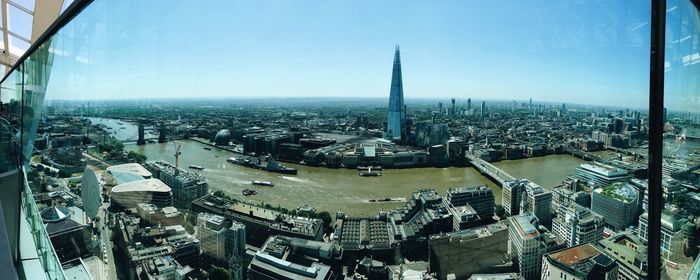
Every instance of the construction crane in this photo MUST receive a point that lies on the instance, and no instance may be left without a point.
(177, 158)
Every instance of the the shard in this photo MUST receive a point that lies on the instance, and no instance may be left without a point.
(396, 117)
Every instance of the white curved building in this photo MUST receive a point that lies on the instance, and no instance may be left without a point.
(91, 192)
(151, 191)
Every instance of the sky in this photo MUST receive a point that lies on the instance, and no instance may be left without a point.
(573, 51)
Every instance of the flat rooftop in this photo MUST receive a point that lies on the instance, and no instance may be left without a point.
(131, 168)
(524, 224)
(619, 191)
(603, 169)
(146, 185)
(575, 255)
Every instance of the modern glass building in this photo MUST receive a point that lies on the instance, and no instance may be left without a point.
(396, 118)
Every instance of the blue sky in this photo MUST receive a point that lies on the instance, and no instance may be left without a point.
(591, 52)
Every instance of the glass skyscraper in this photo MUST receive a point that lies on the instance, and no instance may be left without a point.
(396, 117)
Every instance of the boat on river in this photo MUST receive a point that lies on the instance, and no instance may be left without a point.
(198, 167)
(270, 166)
(248, 192)
(263, 183)
(207, 148)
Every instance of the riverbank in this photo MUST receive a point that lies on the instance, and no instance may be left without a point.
(332, 190)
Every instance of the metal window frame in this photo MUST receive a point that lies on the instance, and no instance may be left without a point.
(64, 18)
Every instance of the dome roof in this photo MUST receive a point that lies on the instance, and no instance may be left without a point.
(54, 214)
(223, 137)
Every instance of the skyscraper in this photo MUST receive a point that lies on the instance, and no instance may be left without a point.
(469, 104)
(396, 117)
(483, 108)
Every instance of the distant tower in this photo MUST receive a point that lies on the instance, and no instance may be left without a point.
(483, 108)
(141, 140)
(453, 109)
(162, 138)
(396, 117)
(531, 102)
(469, 104)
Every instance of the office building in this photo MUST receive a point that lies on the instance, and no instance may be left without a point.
(600, 175)
(148, 191)
(582, 262)
(396, 117)
(512, 196)
(673, 239)
(520, 196)
(260, 223)
(577, 225)
(480, 198)
(484, 248)
(538, 201)
(186, 186)
(211, 232)
(525, 245)
(630, 254)
(287, 258)
(618, 203)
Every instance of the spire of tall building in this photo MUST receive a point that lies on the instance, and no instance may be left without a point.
(396, 117)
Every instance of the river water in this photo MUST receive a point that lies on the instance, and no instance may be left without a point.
(342, 189)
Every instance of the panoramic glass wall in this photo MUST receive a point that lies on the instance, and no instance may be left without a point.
(515, 141)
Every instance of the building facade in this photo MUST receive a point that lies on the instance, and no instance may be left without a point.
(577, 225)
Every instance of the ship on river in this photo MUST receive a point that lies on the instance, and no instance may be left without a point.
(270, 165)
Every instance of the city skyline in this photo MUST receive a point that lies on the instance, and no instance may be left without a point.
(316, 49)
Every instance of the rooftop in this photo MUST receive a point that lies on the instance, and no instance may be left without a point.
(524, 223)
(619, 191)
(603, 169)
(147, 185)
(575, 255)
(130, 168)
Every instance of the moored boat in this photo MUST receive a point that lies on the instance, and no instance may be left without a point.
(198, 167)
(263, 183)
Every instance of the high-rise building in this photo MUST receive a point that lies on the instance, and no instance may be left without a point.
(453, 108)
(630, 254)
(512, 196)
(577, 225)
(618, 203)
(483, 108)
(525, 245)
(211, 232)
(673, 239)
(469, 104)
(522, 195)
(479, 198)
(538, 201)
(581, 262)
(396, 118)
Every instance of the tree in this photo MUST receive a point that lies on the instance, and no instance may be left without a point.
(219, 274)
(500, 211)
(137, 157)
(326, 217)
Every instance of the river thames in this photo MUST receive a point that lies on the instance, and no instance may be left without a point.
(334, 190)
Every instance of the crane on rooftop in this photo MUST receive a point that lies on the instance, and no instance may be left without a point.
(177, 158)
